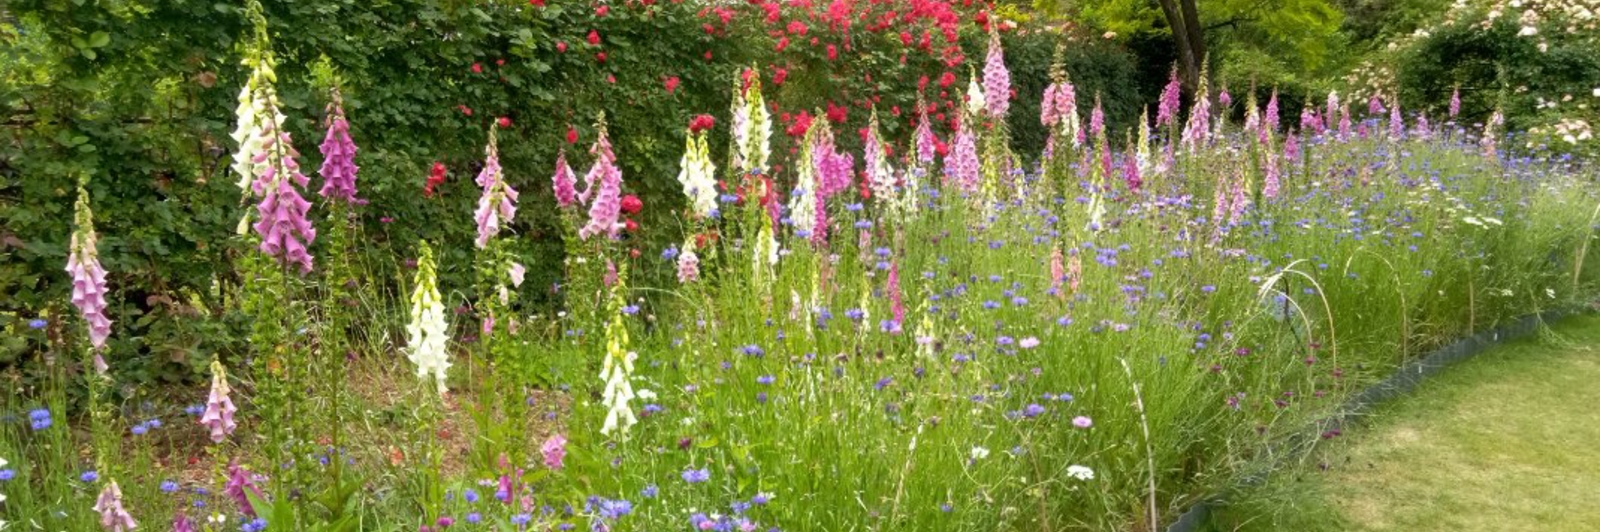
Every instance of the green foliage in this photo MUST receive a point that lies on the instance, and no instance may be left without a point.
(1496, 68)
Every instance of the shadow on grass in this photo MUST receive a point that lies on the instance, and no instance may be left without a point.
(1505, 441)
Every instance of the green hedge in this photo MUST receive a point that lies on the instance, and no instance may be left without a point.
(139, 96)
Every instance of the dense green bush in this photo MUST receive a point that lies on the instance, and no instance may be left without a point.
(139, 96)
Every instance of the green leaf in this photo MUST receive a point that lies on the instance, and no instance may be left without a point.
(99, 38)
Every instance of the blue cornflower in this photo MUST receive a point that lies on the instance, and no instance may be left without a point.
(168, 486)
(670, 253)
(89, 476)
(613, 510)
(254, 525)
(855, 314)
(650, 492)
(1033, 410)
(140, 429)
(39, 419)
(883, 383)
(696, 476)
(195, 410)
(471, 495)
(991, 305)
(521, 519)
(630, 310)
(7, 474)
(474, 517)
(765, 379)
(37, 323)
(753, 350)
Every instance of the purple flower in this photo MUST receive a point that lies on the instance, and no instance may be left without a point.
(1082, 422)
(240, 487)
(696, 476)
(607, 201)
(564, 182)
(996, 79)
(284, 229)
(113, 517)
(1033, 410)
(339, 158)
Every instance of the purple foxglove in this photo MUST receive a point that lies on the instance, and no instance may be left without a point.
(1167, 109)
(897, 306)
(962, 162)
(1344, 122)
(1310, 123)
(926, 142)
(339, 157)
(498, 204)
(996, 79)
(88, 278)
(1424, 129)
(1130, 170)
(606, 203)
(1374, 105)
(564, 182)
(1048, 114)
(1455, 102)
(182, 523)
(283, 227)
(218, 416)
(1269, 185)
(240, 487)
(1397, 123)
(113, 517)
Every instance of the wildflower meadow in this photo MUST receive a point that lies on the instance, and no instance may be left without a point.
(895, 321)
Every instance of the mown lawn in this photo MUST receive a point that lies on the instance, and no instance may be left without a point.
(1505, 441)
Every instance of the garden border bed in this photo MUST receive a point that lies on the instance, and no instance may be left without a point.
(1404, 379)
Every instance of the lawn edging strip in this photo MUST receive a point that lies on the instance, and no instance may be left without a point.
(1401, 382)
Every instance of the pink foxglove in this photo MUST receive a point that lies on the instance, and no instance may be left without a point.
(996, 79)
(605, 203)
(498, 204)
(339, 157)
(88, 278)
(113, 516)
(218, 416)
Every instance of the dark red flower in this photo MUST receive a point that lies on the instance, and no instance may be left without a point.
(631, 226)
(594, 37)
(701, 123)
(631, 204)
(601, 57)
(672, 84)
(465, 110)
(833, 52)
(477, 68)
(561, 47)
(536, 3)
(572, 135)
(505, 122)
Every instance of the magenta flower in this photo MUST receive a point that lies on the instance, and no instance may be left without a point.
(1097, 119)
(1048, 114)
(339, 158)
(113, 517)
(1397, 124)
(1374, 105)
(1167, 109)
(1082, 422)
(897, 306)
(554, 450)
(1455, 102)
(1198, 130)
(606, 203)
(88, 278)
(1270, 120)
(1344, 122)
(564, 182)
(285, 232)
(1310, 123)
(1291, 148)
(996, 79)
(1269, 185)
(962, 162)
(498, 204)
(181, 523)
(240, 487)
(1130, 171)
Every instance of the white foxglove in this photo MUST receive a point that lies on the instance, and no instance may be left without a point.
(428, 335)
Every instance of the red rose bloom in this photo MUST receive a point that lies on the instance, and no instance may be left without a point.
(477, 68)
(561, 47)
(505, 122)
(594, 37)
(631, 204)
(572, 135)
(672, 84)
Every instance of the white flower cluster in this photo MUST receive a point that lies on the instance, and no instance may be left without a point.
(698, 175)
(428, 332)
(618, 366)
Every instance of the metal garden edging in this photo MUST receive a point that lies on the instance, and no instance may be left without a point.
(1402, 381)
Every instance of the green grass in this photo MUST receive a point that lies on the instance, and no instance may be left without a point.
(1504, 441)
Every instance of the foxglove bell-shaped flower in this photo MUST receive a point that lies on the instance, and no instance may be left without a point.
(996, 79)
(1167, 108)
(113, 517)
(251, 114)
(616, 369)
(976, 102)
(1197, 130)
(962, 163)
(606, 202)
(1455, 102)
(240, 487)
(803, 203)
(926, 142)
(880, 174)
(218, 416)
(339, 157)
(697, 174)
(88, 278)
(498, 204)
(283, 227)
(564, 182)
(427, 334)
(756, 124)
(688, 263)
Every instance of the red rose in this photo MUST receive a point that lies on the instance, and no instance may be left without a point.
(536, 3)
(505, 122)
(594, 37)
(922, 83)
(701, 123)
(782, 43)
(465, 110)
(435, 178)
(946, 79)
(780, 75)
(601, 57)
(477, 68)
(601, 11)
(672, 84)
(631, 204)
(572, 135)
(708, 55)
(833, 52)
(499, 62)
(561, 47)
(631, 226)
